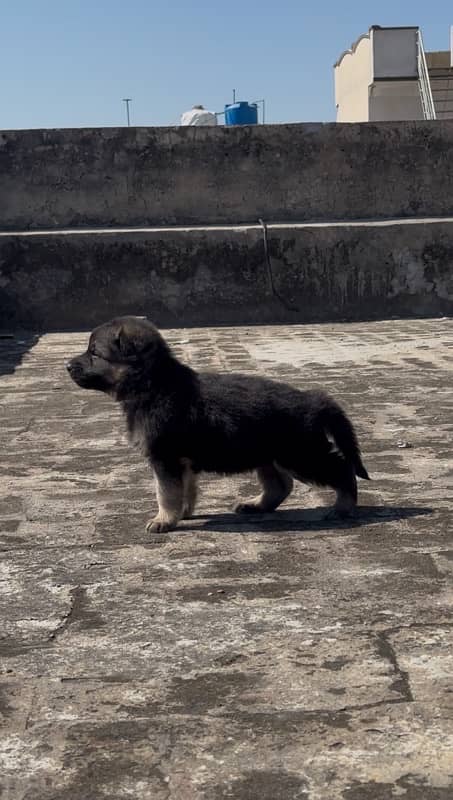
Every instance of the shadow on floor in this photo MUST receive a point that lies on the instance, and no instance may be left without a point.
(306, 519)
(13, 347)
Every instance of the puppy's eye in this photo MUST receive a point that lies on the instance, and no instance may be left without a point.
(96, 354)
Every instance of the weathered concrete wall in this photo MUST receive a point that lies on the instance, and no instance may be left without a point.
(214, 276)
(152, 176)
(115, 178)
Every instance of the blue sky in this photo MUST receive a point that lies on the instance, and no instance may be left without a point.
(69, 63)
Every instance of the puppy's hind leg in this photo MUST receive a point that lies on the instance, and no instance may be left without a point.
(170, 497)
(334, 471)
(341, 476)
(276, 485)
(346, 500)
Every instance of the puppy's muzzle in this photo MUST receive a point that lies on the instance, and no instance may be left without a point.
(75, 370)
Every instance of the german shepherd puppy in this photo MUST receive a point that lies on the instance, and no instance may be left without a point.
(189, 422)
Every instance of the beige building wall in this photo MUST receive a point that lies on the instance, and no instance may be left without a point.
(377, 79)
(352, 80)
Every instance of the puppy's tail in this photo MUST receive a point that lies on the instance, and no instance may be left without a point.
(341, 429)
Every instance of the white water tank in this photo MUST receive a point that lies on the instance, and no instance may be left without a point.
(198, 116)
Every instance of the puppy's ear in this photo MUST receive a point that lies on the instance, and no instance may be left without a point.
(117, 339)
(124, 343)
(133, 344)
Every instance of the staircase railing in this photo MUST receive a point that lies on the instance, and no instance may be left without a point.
(426, 95)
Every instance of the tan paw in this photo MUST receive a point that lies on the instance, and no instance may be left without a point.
(187, 512)
(157, 525)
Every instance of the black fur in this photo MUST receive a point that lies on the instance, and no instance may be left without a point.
(189, 422)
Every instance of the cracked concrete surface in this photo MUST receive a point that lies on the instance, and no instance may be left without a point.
(276, 657)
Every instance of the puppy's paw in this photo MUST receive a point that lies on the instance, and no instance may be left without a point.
(247, 508)
(157, 525)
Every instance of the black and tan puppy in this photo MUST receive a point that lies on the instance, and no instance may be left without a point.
(189, 422)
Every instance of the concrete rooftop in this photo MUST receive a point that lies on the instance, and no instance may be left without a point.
(276, 657)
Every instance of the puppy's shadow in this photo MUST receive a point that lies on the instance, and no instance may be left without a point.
(305, 519)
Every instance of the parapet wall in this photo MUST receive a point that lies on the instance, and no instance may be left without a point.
(219, 276)
(109, 177)
(70, 201)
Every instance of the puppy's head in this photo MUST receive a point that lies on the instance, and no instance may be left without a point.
(118, 352)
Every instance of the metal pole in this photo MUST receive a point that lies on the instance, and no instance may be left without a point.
(127, 100)
(234, 95)
(263, 103)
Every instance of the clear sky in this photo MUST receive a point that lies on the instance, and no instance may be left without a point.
(69, 63)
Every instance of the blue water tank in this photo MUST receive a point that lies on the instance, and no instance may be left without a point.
(241, 114)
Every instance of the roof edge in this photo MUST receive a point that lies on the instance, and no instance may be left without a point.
(354, 46)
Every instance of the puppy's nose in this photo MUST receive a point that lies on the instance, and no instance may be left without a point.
(68, 365)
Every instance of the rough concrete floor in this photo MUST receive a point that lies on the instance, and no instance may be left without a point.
(280, 657)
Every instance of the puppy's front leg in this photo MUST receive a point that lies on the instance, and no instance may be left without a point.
(170, 497)
(190, 491)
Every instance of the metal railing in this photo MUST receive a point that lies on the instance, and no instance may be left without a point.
(426, 95)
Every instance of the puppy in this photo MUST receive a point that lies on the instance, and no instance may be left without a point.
(189, 422)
